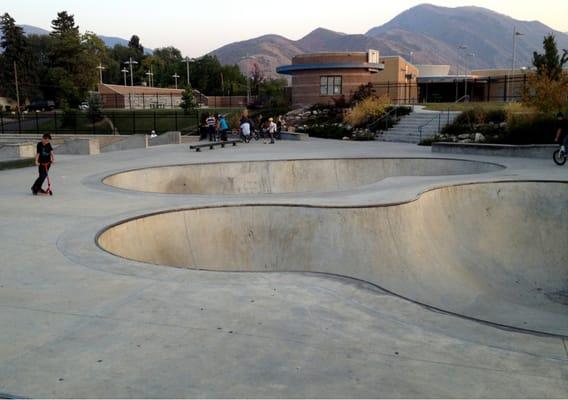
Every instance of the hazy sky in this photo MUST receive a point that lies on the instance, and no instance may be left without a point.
(197, 27)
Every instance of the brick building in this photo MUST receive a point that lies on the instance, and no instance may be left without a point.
(325, 77)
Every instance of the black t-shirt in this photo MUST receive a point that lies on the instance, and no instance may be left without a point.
(44, 151)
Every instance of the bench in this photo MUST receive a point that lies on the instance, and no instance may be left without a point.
(198, 147)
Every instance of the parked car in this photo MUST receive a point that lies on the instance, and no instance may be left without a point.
(41, 105)
(84, 106)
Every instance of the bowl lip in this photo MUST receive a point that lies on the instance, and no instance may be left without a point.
(283, 204)
(488, 322)
(498, 166)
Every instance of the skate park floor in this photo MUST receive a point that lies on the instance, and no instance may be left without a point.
(294, 309)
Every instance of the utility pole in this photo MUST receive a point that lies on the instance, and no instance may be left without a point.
(17, 86)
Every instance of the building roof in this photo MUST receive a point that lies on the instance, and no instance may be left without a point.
(292, 68)
(125, 90)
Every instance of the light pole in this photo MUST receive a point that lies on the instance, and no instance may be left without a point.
(176, 76)
(130, 62)
(150, 75)
(124, 72)
(187, 60)
(101, 69)
(467, 73)
(514, 59)
(463, 48)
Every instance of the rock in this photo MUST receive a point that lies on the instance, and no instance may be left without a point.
(466, 141)
(503, 125)
(463, 136)
(345, 138)
(479, 138)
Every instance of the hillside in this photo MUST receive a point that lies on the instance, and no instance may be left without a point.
(433, 34)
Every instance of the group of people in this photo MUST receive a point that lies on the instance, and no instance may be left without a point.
(215, 128)
(267, 128)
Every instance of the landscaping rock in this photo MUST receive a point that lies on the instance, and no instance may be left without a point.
(479, 138)
(464, 136)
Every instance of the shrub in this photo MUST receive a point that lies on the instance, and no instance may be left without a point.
(368, 109)
(328, 131)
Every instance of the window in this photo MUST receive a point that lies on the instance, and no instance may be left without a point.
(330, 85)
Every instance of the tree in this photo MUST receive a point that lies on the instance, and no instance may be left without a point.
(72, 70)
(548, 89)
(135, 45)
(188, 103)
(15, 51)
(550, 63)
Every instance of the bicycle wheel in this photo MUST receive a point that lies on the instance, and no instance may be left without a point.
(559, 157)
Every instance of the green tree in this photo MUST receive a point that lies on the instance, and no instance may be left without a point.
(548, 89)
(135, 45)
(15, 51)
(550, 63)
(188, 103)
(73, 62)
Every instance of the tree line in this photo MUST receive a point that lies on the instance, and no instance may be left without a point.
(65, 65)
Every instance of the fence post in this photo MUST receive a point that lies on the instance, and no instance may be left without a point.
(19, 122)
(439, 122)
(37, 123)
(143, 101)
(155, 129)
(133, 122)
(75, 123)
(2, 121)
(172, 101)
(113, 123)
(176, 120)
(55, 121)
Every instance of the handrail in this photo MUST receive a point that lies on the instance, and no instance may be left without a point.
(387, 115)
(439, 117)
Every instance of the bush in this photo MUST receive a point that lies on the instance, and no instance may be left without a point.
(328, 131)
(366, 110)
(95, 104)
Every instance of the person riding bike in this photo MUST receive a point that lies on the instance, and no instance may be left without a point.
(561, 132)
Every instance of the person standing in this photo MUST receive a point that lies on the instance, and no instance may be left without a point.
(223, 128)
(211, 127)
(43, 159)
(272, 127)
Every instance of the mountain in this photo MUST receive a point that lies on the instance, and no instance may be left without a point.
(487, 34)
(433, 34)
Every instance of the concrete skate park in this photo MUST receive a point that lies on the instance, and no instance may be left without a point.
(303, 269)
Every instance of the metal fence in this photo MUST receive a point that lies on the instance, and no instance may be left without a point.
(112, 122)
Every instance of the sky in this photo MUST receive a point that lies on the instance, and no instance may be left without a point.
(198, 27)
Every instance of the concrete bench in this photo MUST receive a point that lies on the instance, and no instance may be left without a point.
(198, 147)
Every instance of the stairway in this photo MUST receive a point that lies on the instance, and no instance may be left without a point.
(407, 130)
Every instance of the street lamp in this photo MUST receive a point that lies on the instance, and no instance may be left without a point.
(150, 77)
(101, 68)
(187, 60)
(514, 60)
(176, 76)
(130, 62)
(467, 73)
(124, 72)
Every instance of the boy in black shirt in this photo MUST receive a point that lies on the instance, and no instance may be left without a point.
(43, 159)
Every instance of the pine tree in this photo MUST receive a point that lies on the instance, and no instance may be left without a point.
(550, 63)
(15, 49)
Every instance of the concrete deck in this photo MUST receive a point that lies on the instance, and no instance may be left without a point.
(80, 322)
